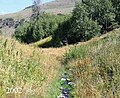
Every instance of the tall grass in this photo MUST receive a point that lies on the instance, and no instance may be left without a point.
(95, 68)
(18, 70)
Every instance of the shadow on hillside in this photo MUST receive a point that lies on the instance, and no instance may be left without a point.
(52, 44)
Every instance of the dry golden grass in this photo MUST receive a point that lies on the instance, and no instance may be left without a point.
(50, 63)
(48, 58)
(91, 63)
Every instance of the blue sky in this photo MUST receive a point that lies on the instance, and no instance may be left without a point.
(11, 6)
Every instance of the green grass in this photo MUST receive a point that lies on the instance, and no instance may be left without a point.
(95, 67)
(36, 71)
(54, 88)
(89, 66)
(18, 69)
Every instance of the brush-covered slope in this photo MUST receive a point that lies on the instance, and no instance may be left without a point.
(94, 67)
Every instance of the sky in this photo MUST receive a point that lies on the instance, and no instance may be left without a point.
(11, 6)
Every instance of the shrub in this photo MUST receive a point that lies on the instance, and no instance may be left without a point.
(42, 27)
(79, 27)
(20, 32)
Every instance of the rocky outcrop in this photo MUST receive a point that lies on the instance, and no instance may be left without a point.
(10, 22)
(8, 26)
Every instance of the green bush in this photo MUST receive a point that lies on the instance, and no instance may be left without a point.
(20, 32)
(89, 18)
(116, 5)
(79, 27)
(101, 11)
(40, 28)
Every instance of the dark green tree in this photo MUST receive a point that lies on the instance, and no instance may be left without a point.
(116, 5)
(42, 27)
(101, 11)
(83, 27)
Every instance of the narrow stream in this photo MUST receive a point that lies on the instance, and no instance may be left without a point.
(66, 86)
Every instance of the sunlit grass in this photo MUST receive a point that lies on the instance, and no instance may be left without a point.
(20, 67)
(37, 71)
(29, 68)
(95, 67)
(41, 42)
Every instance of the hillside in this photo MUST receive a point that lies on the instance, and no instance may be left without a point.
(38, 70)
(62, 56)
(8, 22)
(94, 67)
(59, 6)
(55, 7)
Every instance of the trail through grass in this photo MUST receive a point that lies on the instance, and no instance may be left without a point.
(38, 71)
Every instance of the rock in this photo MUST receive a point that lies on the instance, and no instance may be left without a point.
(0, 20)
(8, 26)
(0, 23)
(17, 23)
(22, 21)
(8, 22)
